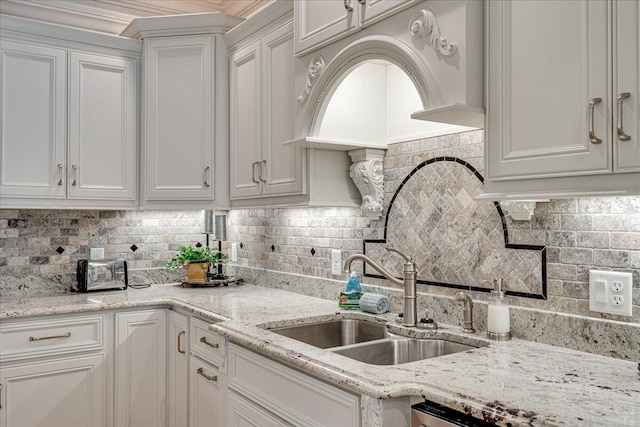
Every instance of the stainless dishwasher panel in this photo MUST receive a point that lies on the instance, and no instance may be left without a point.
(430, 414)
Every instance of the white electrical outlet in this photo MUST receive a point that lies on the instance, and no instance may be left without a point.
(336, 262)
(234, 252)
(96, 253)
(610, 292)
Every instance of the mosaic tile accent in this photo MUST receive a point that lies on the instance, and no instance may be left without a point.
(456, 241)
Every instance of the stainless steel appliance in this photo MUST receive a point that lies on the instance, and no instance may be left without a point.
(101, 275)
(431, 414)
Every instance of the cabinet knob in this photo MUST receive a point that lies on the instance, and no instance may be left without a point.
(180, 350)
(347, 5)
(59, 173)
(206, 176)
(213, 378)
(592, 135)
(253, 172)
(621, 135)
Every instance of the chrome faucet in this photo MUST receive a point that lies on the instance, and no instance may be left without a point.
(467, 313)
(409, 275)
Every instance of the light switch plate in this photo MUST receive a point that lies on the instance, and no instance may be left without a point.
(96, 253)
(336, 262)
(610, 292)
(234, 252)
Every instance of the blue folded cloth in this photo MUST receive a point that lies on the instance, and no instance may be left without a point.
(374, 303)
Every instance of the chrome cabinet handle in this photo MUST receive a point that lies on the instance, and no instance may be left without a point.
(59, 173)
(592, 135)
(203, 340)
(75, 175)
(67, 335)
(180, 350)
(263, 165)
(362, 1)
(621, 135)
(253, 172)
(213, 378)
(347, 5)
(206, 176)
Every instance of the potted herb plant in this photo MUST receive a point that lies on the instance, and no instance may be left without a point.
(196, 261)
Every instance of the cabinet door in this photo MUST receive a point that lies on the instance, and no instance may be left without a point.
(282, 169)
(246, 122)
(374, 10)
(546, 62)
(242, 413)
(626, 79)
(102, 127)
(204, 395)
(317, 22)
(178, 369)
(33, 146)
(141, 369)
(178, 130)
(66, 392)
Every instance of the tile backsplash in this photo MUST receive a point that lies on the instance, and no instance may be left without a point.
(579, 234)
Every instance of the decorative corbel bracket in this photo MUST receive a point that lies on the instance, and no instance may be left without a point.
(520, 210)
(367, 173)
(425, 24)
(316, 68)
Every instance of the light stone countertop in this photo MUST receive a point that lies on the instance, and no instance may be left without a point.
(511, 383)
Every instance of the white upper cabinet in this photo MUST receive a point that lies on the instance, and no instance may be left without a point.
(319, 22)
(34, 101)
(626, 85)
(178, 138)
(246, 123)
(69, 117)
(553, 115)
(185, 105)
(102, 127)
(262, 118)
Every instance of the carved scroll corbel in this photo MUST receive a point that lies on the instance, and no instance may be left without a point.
(367, 173)
(520, 210)
(423, 24)
(316, 68)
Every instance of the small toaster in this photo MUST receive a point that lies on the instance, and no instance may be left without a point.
(101, 275)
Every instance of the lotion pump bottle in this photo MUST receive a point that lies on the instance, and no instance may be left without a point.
(498, 325)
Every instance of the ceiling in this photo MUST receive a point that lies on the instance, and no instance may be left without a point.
(112, 16)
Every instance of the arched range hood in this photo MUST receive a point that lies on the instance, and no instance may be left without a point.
(399, 80)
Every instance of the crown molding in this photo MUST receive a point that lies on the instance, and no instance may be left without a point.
(179, 25)
(113, 16)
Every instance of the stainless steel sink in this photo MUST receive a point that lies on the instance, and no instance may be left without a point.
(334, 333)
(395, 351)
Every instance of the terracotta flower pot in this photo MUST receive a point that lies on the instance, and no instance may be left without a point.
(197, 272)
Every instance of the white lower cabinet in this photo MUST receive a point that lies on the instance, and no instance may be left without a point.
(53, 372)
(290, 395)
(204, 394)
(242, 413)
(141, 368)
(61, 393)
(178, 369)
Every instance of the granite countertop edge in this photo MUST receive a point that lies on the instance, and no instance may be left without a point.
(441, 379)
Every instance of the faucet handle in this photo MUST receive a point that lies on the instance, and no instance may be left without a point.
(408, 259)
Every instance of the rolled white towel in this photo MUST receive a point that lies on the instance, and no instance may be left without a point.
(374, 303)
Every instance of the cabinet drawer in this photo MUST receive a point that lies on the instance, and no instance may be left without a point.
(204, 343)
(290, 394)
(24, 340)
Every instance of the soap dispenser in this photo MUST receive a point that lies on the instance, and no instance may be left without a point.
(353, 285)
(498, 324)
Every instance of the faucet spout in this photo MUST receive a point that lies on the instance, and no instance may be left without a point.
(409, 275)
(467, 313)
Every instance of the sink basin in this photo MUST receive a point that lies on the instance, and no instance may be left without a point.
(334, 333)
(401, 350)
